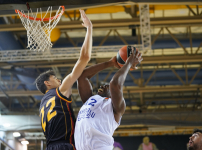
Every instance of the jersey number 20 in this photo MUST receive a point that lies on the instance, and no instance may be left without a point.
(50, 114)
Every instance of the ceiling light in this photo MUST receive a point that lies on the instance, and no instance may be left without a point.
(6, 125)
(16, 134)
(24, 142)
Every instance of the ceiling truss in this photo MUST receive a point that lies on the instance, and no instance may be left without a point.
(178, 106)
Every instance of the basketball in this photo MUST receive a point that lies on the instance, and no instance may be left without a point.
(123, 55)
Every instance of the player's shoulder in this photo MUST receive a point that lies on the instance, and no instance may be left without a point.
(55, 92)
(51, 91)
(100, 98)
(49, 94)
(62, 97)
(97, 97)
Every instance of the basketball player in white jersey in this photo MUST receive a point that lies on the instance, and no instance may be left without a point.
(100, 114)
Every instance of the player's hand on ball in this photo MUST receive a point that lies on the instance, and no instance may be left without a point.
(86, 21)
(135, 58)
(114, 61)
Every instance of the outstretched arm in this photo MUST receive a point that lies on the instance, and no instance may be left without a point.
(116, 85)
(84, 85)
(83, 60)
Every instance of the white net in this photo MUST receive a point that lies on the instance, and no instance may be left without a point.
(39, 31)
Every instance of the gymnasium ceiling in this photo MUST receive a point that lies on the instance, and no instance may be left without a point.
(164, 91)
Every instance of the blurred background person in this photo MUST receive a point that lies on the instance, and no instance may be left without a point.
(146, 145)
(117, 146)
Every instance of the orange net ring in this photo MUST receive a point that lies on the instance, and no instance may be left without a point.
(40, 19)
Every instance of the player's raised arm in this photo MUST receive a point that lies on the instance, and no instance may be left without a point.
(84, 85)
(83, 60)
(117, 82)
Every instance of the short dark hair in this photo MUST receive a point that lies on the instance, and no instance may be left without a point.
(197, 130)
(41, 78)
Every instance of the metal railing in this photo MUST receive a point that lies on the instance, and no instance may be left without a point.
(57, 53)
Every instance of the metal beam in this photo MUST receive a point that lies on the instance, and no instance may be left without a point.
(197, 9)
(160, 21)
(139, 35)
(5, 94)
(122, 39)
(151, 75)
(74, 15)
(173, 70)
(20, 101)
(176, 99)
(159, 122)
(186, 73)
(198, 48)
(133, 78)
(37, 102)
(190, 39)
(132, 89)
(105, 38)
(72, 54)
(147, 61)
(153, 89)
(176, 40)
(66, 13)
(195, 75)
(16, 85)
(68, 72)
(141, 98)
(160, 132)
(191, 10)
(71, 41)
(142, 79)
(154, 39)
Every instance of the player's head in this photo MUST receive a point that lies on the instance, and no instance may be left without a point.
(146, 140)
(195, 141)
(104, 91)
(47, 80)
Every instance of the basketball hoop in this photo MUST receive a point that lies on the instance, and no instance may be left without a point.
(39, 29)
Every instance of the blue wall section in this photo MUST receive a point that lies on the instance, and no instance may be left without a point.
(8, 41)
(170, 43)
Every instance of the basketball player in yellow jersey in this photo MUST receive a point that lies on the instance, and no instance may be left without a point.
(57, 118)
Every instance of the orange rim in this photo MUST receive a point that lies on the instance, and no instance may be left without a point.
(39, 19)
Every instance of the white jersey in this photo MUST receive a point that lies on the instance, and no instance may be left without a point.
(95, 125)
